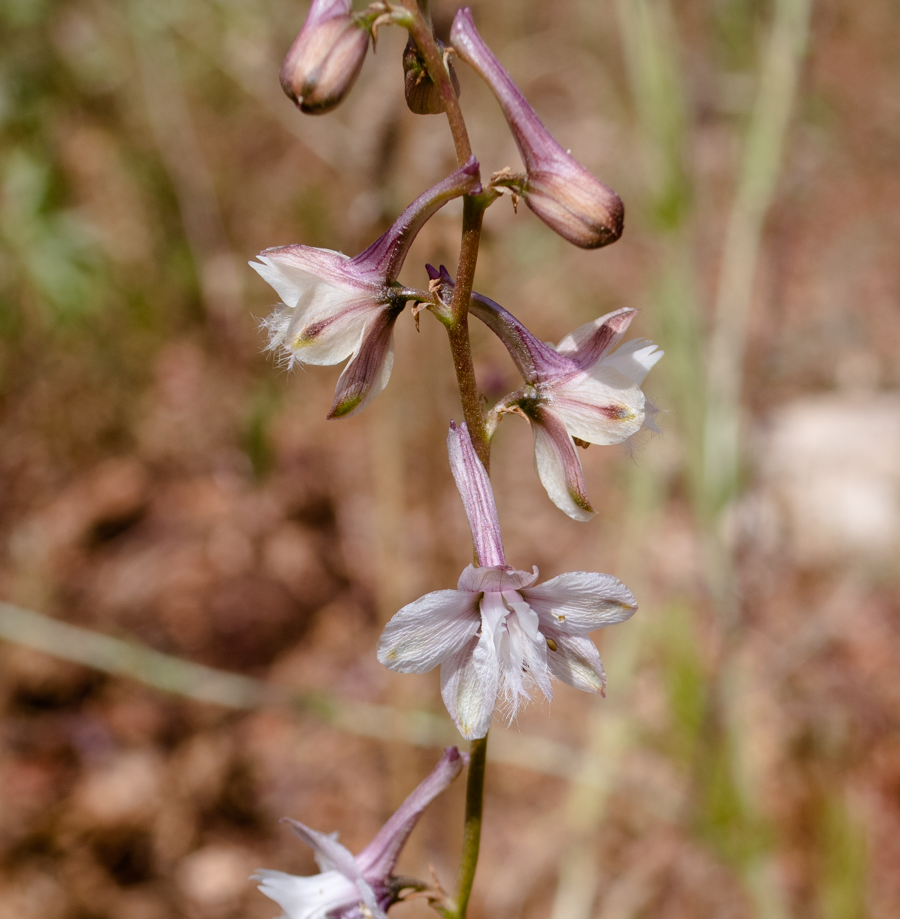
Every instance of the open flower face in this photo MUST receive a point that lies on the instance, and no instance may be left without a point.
(335, 307)
(348, 884)
(498, 636)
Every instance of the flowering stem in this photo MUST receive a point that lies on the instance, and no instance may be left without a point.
(461, 348)
(472, 829)
(458, 331)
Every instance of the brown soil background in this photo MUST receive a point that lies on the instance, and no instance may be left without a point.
(161, 479)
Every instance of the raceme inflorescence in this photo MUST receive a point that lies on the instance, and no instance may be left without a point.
(499, 636)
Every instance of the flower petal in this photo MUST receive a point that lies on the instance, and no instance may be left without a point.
(313, 897)
(477, 496)
(470, 680)
(326, 846)
(369, 370)
(495, 580)
(590, 342)
(635, 359)
(603, 408)
(328, 327)
(575, 660)
(581, 601)
(379, 857)
(523, 660)
(428, 631)
(559, 468)
(292, 270)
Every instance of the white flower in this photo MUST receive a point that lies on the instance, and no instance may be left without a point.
(581, 389)
(349, 887)
(335, 307)
(498, 635)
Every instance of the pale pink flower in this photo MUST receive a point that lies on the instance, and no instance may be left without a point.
(581, 389)
(498, 635)
(335, 307)
(350, 886)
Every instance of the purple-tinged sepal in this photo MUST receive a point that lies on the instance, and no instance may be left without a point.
(334, 307)
(565, 195)
(350, 886)
(474, 488)
(325, 59)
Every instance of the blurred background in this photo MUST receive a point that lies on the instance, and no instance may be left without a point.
(168, 493)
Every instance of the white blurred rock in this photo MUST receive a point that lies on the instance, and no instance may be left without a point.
(830, 465)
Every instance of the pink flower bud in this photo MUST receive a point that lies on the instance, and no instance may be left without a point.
(557, 188)
(326, 57)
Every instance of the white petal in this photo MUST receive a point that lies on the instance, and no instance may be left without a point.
(526, 661)
(470, 680)
(581, 601)
(326, 847)
(292, 270)
(635, 359)
(429, 630)
(495, 580)
(559, 469)
(602, 408)
(575, 661)
(328, 325)
(313, 897)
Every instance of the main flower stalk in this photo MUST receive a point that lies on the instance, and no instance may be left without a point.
(461, 350)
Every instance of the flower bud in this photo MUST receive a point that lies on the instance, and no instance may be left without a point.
(422, 94)
(568, 198)
(326, 57)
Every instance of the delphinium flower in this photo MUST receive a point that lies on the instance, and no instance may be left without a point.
(565, 195)
(498, 635)
(325, 58)
(349, 887)
(582, 390)
(335, 307)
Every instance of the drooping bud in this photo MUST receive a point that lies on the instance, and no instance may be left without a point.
(326, 57)
(423, 97)
(568, 198)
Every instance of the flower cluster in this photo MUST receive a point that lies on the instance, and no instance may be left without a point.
(499, 636)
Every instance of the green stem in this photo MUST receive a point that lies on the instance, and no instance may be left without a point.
(472, 828)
